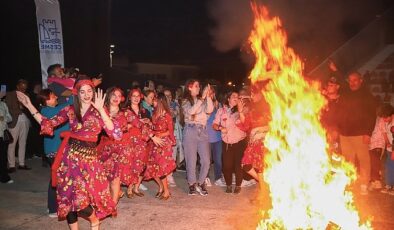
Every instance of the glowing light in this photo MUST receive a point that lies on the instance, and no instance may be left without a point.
(307, 188)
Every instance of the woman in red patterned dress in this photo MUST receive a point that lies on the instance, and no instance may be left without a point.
(77, 173)
(254, 118)
(139, 134)
(114, 153)
(161, 163)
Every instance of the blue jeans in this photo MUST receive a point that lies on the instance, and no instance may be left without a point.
(195, 140)
(216, 150)
(389, 172)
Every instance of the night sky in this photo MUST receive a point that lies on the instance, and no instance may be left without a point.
(208, 33)
(174, 32)
(181, 32)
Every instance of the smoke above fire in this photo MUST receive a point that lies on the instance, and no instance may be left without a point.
(315, 27)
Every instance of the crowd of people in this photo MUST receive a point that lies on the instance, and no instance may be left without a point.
(96, 142)
(359, 126)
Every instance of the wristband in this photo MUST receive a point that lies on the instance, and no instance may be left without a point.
(33, 114)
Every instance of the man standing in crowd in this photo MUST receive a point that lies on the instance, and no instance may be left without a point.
(357, 115)
(19, 127)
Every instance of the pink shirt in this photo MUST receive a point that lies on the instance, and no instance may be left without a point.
(225, 118)
(377, 137)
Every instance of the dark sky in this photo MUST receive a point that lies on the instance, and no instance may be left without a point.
(191, 32)
(170, 32)
(206, 33)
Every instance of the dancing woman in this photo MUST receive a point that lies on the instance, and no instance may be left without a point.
(139, 133)
(161, 163)
(114, 153)
(254, 119)
(82, 186)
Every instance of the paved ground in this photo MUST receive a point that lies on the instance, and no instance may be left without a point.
(23, 206)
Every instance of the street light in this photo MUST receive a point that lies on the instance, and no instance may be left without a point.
(110, 54)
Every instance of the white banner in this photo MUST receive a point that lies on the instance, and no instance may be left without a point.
(50, 35)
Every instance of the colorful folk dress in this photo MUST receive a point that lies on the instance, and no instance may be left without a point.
(161, 162)
(138, 134)
(115, 154)
(80, 178)
(256, 121)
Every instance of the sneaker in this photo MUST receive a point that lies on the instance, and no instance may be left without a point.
(181, 168)
(220, 182)
(202, 189)
(10, 181)
(143, 187)
(374, 185)
(378, 184)
(386, 189)
(237, 190)
(171, 181)
(229, 189)
(364, 189)
(208, 182)
(247, 183)
(11, 170)
(24, 167)
(192, 190)
(52, 215)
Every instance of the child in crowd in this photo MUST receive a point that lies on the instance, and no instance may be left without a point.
(380, 146)
(389, 157)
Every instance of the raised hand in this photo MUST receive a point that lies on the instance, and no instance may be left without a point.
(23, 98)
(99, 99)
(205, 92)
(241, 105)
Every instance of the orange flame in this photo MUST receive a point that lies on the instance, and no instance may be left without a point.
(307, 190)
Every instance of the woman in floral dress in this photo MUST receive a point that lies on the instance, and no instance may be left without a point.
(139, 134)
(82, 186)
(161, 163)
(254, 119)
(115, 153)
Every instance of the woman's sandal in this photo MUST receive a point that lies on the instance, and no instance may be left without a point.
(165, 197)
(95, 226)
(121, 194)
(159, 194)
(138, 193)
(129, 194)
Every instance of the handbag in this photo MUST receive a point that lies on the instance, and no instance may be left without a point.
(7, 137)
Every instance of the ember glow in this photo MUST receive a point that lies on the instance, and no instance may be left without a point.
(307, 187)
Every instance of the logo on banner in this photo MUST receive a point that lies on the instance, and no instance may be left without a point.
(50, 37)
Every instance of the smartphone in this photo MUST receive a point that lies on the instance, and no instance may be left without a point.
(3, 88)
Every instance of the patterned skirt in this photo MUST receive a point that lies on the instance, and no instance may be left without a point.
(160, 162)
(138, 158)
(116, 161)
(254, 152)
(82, 181)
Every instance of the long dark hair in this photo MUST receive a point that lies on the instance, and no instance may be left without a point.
(77, 103)
(186, 94)
(110, 91)
(161, 106)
